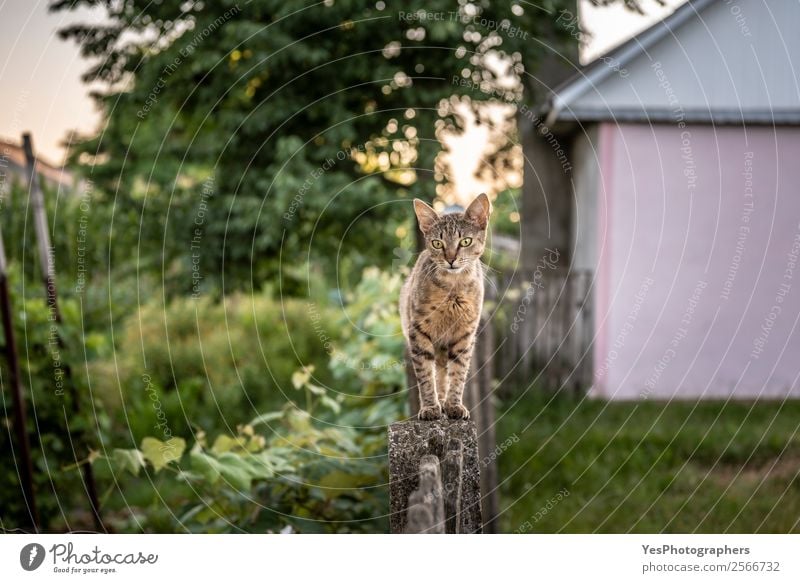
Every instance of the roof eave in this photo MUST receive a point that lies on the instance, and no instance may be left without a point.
(715, 116)
(597, 71)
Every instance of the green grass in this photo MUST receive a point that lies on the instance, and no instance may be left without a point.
(649, 467)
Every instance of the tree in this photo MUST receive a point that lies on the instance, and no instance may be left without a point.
(315, 121)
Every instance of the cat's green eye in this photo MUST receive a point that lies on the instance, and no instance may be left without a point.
(437, 244)
(465, 242)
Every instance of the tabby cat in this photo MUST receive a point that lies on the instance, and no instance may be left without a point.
(441, 302)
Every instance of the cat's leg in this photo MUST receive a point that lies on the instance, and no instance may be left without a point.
(422, 357)
(441, 373)
(459, 355)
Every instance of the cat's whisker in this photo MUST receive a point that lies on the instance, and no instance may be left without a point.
(487, 267)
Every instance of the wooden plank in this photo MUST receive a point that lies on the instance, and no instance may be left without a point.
(411, 383)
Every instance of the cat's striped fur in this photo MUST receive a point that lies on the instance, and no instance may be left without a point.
(441, 302)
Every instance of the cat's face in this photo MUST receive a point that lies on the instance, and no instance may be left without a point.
(455, 241)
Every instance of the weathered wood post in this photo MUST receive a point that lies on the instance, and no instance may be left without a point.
(479, 400)
(25, 464)
(487, 436)
(48, 271)
(434, 477)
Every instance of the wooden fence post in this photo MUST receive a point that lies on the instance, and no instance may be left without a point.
(480, 403)
(487, 435)
(434, 477)
(47, 267)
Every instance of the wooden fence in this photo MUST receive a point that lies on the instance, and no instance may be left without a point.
(544, 327)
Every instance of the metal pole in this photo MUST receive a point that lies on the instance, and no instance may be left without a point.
(47, 266)
(25, 464)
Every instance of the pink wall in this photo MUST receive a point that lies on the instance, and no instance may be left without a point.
(698, 290)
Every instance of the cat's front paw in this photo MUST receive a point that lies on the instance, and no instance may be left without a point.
(456, 411)
(430, 413)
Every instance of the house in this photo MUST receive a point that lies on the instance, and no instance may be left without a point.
(684, 193)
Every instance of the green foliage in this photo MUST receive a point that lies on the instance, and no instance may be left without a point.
(310, 476)
(318, 466)
(506, 210)
(313, 461)
(59, 437)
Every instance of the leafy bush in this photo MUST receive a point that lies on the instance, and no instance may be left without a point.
(310, 478)
(59, 438)
(197, 362)
(371, 351)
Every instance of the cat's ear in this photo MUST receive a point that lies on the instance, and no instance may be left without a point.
(479, 210)
(425, 215)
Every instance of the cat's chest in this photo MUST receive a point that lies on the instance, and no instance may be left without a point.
(449, 306)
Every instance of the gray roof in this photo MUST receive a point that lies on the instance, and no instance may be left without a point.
(709, 61)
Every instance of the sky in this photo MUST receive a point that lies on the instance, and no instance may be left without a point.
(42, 91)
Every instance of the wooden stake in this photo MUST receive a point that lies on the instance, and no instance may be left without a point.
(48, 269)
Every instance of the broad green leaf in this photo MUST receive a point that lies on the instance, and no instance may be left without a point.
(261, 466)
(160, 453)
(276, 458)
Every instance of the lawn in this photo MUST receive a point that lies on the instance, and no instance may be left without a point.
(593, 466)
